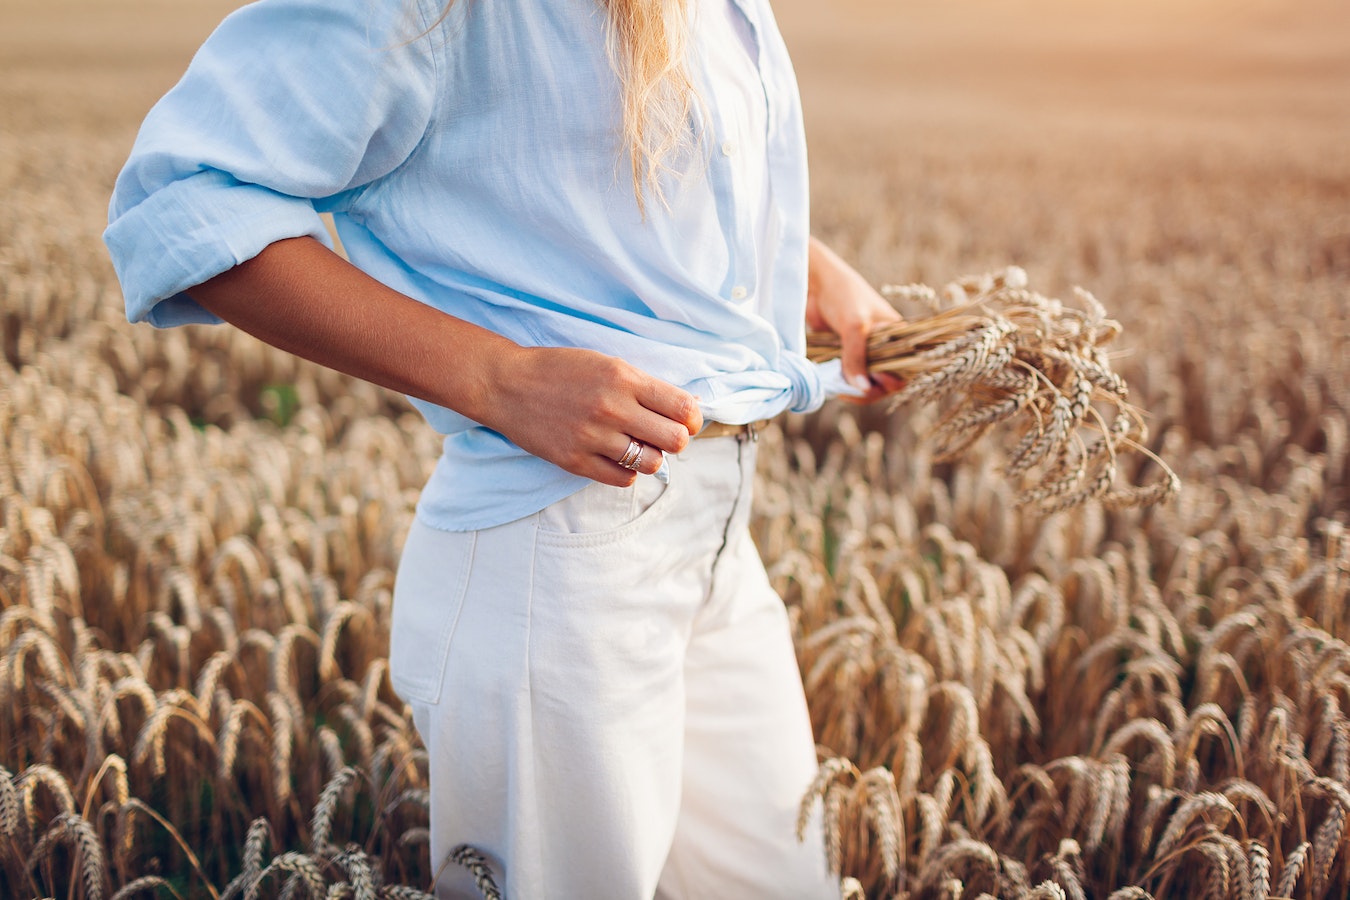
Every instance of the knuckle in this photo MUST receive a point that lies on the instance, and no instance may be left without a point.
(591, 405)
(603, 409)
(616, 370)
(688, 408)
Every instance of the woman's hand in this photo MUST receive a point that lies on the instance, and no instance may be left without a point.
(839, 300)
(575, 408)
(579, 409)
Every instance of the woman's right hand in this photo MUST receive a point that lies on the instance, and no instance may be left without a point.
(575, 408)
(578, 409)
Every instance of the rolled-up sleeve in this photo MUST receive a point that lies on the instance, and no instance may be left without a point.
(289, 102)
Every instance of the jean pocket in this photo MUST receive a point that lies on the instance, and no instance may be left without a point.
(599, 513)
(433, 575)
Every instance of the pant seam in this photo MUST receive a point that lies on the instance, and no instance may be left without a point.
(735, 505)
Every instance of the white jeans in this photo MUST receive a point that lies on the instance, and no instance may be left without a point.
(609, 697)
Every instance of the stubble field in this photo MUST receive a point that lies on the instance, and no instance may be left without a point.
(198, 534)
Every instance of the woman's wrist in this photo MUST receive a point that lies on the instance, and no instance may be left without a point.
(493, 387)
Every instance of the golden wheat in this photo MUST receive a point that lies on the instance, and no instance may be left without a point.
(195, 571)
(1002, 355)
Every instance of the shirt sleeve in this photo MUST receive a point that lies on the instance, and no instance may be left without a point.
(287, 103)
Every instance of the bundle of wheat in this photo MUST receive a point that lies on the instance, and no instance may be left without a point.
(995, 353)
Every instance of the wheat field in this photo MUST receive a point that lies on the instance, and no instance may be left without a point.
(198, 534)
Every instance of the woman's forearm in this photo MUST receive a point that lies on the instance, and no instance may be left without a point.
(303, 298)
(575, 408)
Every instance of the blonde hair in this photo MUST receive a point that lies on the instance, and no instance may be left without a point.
(647, 43)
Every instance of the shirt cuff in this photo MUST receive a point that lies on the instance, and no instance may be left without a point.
(192, 230)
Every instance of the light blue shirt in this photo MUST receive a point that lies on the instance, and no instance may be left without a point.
(478, 168)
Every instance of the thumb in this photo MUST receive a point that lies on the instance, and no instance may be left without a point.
(853, 356)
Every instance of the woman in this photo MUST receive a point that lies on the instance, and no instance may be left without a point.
(595, 660)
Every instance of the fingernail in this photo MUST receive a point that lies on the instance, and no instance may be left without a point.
(861, 382)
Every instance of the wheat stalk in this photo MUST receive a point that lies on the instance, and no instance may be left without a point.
(1258, 863)
(10, 806)
(144, 884)
(303, 869)
(1293, 865)
(364, 878)
(43, 775)
(1067, 864)
(477, 864)
(883, 809)
(951, 857)
(851, 888)
(1326, 841)
(71, 828)
(322, 821)
(403, 892)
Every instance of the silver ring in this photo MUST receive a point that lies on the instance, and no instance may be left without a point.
(632, 456)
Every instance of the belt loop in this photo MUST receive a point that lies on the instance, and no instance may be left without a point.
(753, 429)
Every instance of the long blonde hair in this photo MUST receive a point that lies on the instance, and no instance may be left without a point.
(647, 42)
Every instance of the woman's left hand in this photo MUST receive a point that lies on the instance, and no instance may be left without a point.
(839, 300)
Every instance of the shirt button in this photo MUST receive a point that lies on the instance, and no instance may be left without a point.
(738, 293)
(728, 148)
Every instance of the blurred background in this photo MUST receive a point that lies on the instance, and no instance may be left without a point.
(946, 136)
